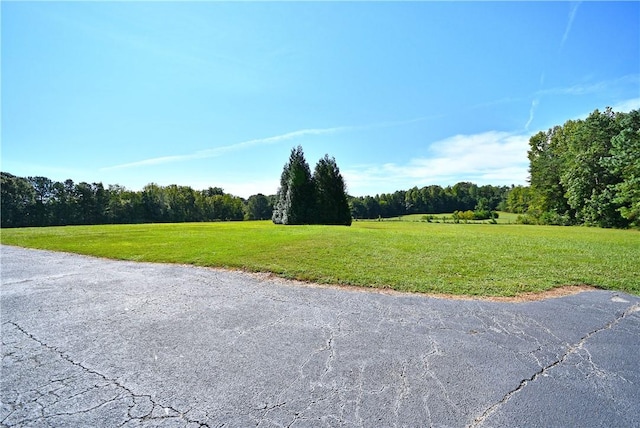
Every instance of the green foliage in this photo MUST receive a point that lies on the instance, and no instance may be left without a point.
(306, 199)
(430, 199)
(17, 195)
(331, 205)
(478, 259)
(258, 207)
(484, 215)
(545, 163)
(518, 199)
(296, 196)
(39, 201)
(625, 163)
(465, 216)
(547, 218)
(585, 172)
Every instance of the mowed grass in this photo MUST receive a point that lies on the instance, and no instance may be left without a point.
(504, 218)
(462, 259)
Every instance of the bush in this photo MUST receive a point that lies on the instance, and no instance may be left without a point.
(554, 219)
(547, 218)
(484, 215)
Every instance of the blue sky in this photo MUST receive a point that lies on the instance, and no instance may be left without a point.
(217, 93)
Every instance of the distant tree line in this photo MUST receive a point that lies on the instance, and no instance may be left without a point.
(463, 196)
(39, 201)
(585, 172)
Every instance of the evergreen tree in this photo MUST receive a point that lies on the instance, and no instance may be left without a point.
(332, 205)
(296, 196)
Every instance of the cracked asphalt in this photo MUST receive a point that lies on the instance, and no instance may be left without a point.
(93, 342)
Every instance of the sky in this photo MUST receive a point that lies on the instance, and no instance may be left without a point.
(216, 94)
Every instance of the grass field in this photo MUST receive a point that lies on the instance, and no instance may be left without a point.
(505, 218)
(462, 259)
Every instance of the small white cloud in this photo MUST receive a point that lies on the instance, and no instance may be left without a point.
(627, 106)
(493, 157)
(603, 86)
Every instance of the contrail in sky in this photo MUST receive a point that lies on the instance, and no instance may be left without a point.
(572, 15)
(219, 151)
(532, 110)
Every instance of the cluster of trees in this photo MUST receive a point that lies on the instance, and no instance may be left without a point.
(463, 196)
(584, 172)
(39, 201)
(304, 198)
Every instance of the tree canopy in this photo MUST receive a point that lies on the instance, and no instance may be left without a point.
(585, 172)
(39, 201)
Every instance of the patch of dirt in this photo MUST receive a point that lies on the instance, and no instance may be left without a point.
(554, 293)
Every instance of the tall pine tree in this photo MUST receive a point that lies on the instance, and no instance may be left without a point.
(296, 196)
(332, 204)
(306, 199)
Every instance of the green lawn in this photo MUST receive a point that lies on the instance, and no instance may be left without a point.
(504, 218)
(471, 259)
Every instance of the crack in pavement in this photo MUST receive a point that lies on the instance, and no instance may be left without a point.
(478, 421)
(140, 407)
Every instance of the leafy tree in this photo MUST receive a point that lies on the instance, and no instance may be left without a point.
(518, 199)
(586, 178)
(258, 207)
(43, 188)
(546, 162)
(625, 163)
(124, 206)
(85, 200)
(586, 171)
(155, 204)
(17, 199)
(332, 204)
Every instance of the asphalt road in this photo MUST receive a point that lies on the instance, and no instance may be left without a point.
(92, 342)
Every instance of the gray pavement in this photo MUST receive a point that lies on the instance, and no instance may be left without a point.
(93, 342)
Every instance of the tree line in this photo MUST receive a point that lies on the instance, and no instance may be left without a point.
(40, 201)
(434, 199)
(585, 172)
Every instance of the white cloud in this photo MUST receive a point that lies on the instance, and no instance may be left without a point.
(493, 157)
(603, 86)
(627, 106)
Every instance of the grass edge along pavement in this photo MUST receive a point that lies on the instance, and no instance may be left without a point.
(437, 258)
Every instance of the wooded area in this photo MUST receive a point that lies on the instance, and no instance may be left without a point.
(584, 172)
(40, 201)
